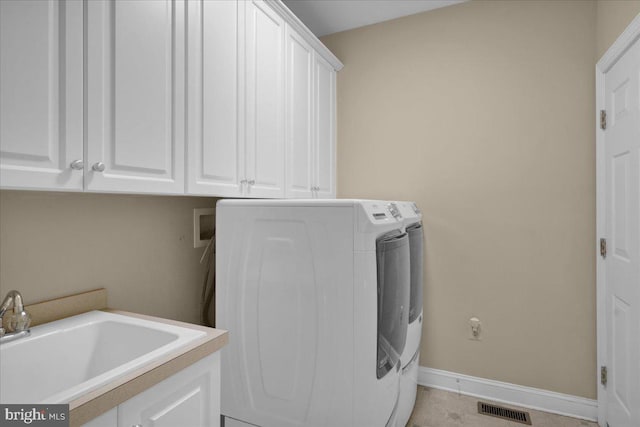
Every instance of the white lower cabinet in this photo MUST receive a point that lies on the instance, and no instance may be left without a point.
(230, 422)
(189, 398)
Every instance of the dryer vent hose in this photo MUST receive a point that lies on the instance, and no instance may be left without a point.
(208, 303)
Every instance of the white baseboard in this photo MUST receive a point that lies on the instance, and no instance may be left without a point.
(512, 394)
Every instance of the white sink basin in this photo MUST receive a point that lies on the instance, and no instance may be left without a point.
(65, 359)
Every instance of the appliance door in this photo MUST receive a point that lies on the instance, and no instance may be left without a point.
(416, 262)
(392, 252)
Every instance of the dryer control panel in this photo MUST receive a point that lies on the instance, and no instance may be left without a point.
(410, 212)
(393, 210)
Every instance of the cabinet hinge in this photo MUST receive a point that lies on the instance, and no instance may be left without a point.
(603, 248)
(603, 375)
(603, 119)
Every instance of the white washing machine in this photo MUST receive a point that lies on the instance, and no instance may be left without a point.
(410, 358)
(297, 286)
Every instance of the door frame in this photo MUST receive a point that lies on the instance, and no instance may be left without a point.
(630, 35)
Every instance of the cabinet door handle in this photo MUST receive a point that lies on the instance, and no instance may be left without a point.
(98, 167)
(77, 165)
(252, 181)
(243, 181)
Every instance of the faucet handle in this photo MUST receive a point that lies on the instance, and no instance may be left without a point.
(19, 321)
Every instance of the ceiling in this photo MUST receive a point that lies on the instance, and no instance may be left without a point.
(331, 16)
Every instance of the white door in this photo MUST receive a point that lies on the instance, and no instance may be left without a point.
(135, 96)
(41, 94)
(264, 109)
(325, 138)
(215, 158)
(299, 116)
(622, 154)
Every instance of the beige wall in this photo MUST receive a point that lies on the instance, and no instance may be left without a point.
(140, 248)
(483, 113)
(613, 16)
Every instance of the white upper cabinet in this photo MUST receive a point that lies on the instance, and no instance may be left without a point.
(264, 109)
(135, 96)
(310, 121)
(215, 162)
(324, 128)
(41, 94)
(299, 116)
(227, 98)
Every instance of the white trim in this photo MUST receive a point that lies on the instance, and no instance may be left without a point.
(511, 394)
(306, 33)
(601, 326)
(611, 56)
(620, 46)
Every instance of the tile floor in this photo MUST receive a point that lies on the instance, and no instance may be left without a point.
(438, 408)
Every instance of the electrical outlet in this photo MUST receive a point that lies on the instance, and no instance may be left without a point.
(475, 329)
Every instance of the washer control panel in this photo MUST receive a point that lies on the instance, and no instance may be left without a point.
(382, 211)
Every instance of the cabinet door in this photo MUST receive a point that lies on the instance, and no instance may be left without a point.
(190, 398)
(264, 128)
(135, 96)
(215, 158)
(40, 94)
(325, 128)
(299, 116)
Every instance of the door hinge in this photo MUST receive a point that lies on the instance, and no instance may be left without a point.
(603, 119)
(603, 375)
(603, 248)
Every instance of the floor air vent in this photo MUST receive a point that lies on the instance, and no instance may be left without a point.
(504, 413)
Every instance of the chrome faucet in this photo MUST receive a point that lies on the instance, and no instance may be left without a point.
(19, 320)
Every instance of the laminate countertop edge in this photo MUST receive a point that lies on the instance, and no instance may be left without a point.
(101, 400)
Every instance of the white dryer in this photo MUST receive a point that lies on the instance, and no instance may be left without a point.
(410, 358)
(315, 296)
